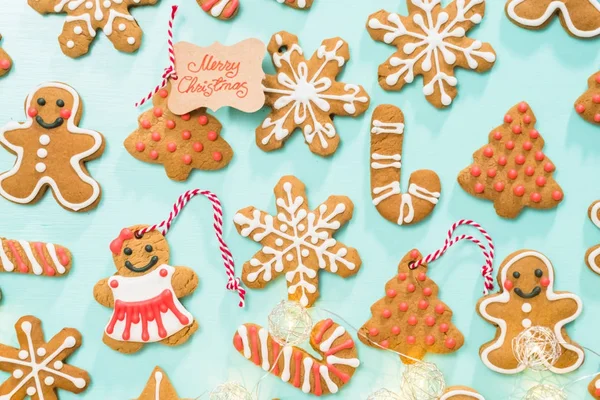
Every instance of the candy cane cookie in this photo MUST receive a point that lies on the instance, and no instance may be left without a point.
(22, 257)
(387, 135)
(221, 9)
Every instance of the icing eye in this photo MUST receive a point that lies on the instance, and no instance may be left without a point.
(41, 101)
(538, 273)
(148, 248)
(60, 103)
(127, 251)
(516, 274)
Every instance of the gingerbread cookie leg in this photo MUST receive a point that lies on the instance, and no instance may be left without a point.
(75, 189)
(182, 336)
(120, 346)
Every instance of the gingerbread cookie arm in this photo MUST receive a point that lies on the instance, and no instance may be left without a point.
(387, 135)
(588, 104)
(103, 294)
(20, 256)
(184, 281)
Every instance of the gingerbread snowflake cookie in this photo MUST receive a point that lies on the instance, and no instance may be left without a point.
(297, 242)
(387, 136)
(38, 368)
(460, 393)
(159, 387)
(431, 42)
(221, 9)
(527, 299)
(86, 17)
(581, 18)
(51, 151)
(305, 95)
(145, 293)
(592, 257)
(5, 61)
(588, 104)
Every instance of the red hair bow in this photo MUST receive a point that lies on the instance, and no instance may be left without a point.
(117, 244)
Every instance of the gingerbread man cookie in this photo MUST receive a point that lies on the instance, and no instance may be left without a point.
(51, 151)
(592, 257)
(5, 61)
(145, 293)
(86, 17)
(159, 387)
(581, 18)
(461, 393)
(387, 135)
(38, 368)
(588, 104)
(221, 9)
(432, 41)
(304, 94)
(527, 299)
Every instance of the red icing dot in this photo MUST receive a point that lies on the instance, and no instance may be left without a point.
(32, 112)
(520, 159)
(163, 93)
(488, 152)
(146, 124)
(548, 167)
(217, 156)
(522, 107)
(444, 327)
(186, 135)
(402, 276)
(139, 146)
(508, 119)
(154, 154)
(412, 320)
(534, 134)
(540, 181)
(529, 170)
(479, 188)
(410, 287)
(114, 284)
(557, 195)
(502, 160)
(512, 174)
(171, 146)
(596, 98)
(440, 308)
(414, 253)
(187, 159)
(545, 282)
(499, 186)
(516, 129)
(497, 135)
(475, 171)
(539, 156)
(203, 120)
(580, 108)
(411, 340)
(170, 124)
(65, 113)
(535, 197)
(4, 64)
(163, 272)
(508, 285)
(186, 117)
(423, 304)
(427, 291)
(155, 136)
(429, 320)
(403, 306)
(429, 340)
(386, 313)
(527, 146)
(373, 332)
(450, 343)
(157, 112)
(519, 190)
(212, 136)
(598, 78)
(396, 330)
(597, 392)
(421, 276)
(391, 293)
(510, 145)
(491, 172)
(198, 147)
(527, 119)
(597, 118)
(384, 343)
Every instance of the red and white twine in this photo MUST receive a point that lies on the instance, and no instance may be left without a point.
(233, 283)
(169, 72)
(488, 251)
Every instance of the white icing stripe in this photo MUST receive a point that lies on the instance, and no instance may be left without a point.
(422, 193)
(158, 376)
(325, 375)
(75, 161)
(393, 187)
(387, 127)
(112, 14)
(243, 332)
(326, 344)
(351, 362)
(52, 251)
(461, 392)
(504, 297)
(264, 349)
(308, 362)
(395, 157)
(406, 204)
(35, 266)
(287, 356)
(6, 263)
(553, 7)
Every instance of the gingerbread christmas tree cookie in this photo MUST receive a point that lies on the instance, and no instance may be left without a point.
(5, 61)
(305, 95)
(512, 170)
(432, 41)
(38, 368)
(588, 104)
(86, 17)
(411, 319)
(159, 387)
(297, 242)
(179, 142)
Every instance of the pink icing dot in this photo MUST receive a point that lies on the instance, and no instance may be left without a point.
(479, 188)
(155, 136)
(508, 119)
(596, 98)
(429, 320)
(475, 171)
(402, 276)
(520, 159)
(508, 285)
(212, 136)
(203, 120)
(580, 108)
(158, 112)
(516, 129)
(217, 156)
(557, 195)
(391, 293)
(529, 170)
(497, 135)
(527, 119)
(170, 124)
(510, 145)
(598, 78)
(139, 146)
(519, 190)
(163, 272)
(596, 117)
(488, 152)
(540, 181)
(171, 146)
(545, 282)
(491, 172)
(386, 313)
(187, 159)
(186, 135)
(65, 113)
(186, 117)
(440, 308)
(522, 107)
(535, 197)
(411, 340)
(410, 287)
(539, 156)
(512, 174)
(114, 284)
(384, 343)
(527, 146)
(499, 186)
(373, 332)
(4, 64)
(396, 330)
(423, 304)
(444, 327)
(534, 134)
(32, 112)
(198, 147)
(450, 343)
(163, 93)
(548, 167)
(146, 124)
(421, 276)
(427, 291)
(414, 253)
(429, 340)
(502, 160)
(403, 306)
(154, 154)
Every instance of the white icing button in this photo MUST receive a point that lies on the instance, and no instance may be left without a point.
(279, 242)
(526, 323)
(30, 391)
(597, 384)
(122, 27)
(42, 153)
(40, 167)
(89, 5)
(70, 44)
(301, 227)
(107, 3)
(289, 257)
(304, 253)
(526, 307)
(41, 352)
(49, 381)
(78, 30)
(23, 354)
(131, 40)
(58, 365)
(17, 373)
(283, 227)
(44, 140)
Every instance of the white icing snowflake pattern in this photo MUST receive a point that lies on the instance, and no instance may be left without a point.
(431, 41)
(304, 94)
(297, 242)
(36, 368)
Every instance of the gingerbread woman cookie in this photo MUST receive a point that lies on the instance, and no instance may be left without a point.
(5, 61)
(145, 293)
(581, 18)
(296, 366)
(221, 9)
(527, 299)
(304, 94)
(387, 135)
(588, 104)
(38, 368)
(592, 257)
(432, 41)
(159, 387)
(51, 151)
(85, 17)
(461, 393)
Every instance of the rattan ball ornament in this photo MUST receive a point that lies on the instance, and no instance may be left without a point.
(384, 394)
(545, 392)
(230, 391)
(422, 381)
(290, 324)
(537, 348)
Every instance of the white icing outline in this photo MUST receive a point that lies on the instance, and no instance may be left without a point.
(461, 392)
(594, 254)
(504, 297)
(75, 160)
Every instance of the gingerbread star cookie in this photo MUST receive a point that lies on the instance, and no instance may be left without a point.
(588, 104)
(221, 9)
(297, 242)
(527, 299)
(432, 41)
(51, 151)
(461, 393)
(592, 257)
(5, 61)
(159, 387)
(305, 95)
(581, 18)
(38, 368)
(86, 17)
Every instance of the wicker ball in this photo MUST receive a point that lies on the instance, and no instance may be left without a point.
(290, 324)
(230, 391)
(384, 394)
(422, 381)
(545, 392)
(537, 348)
